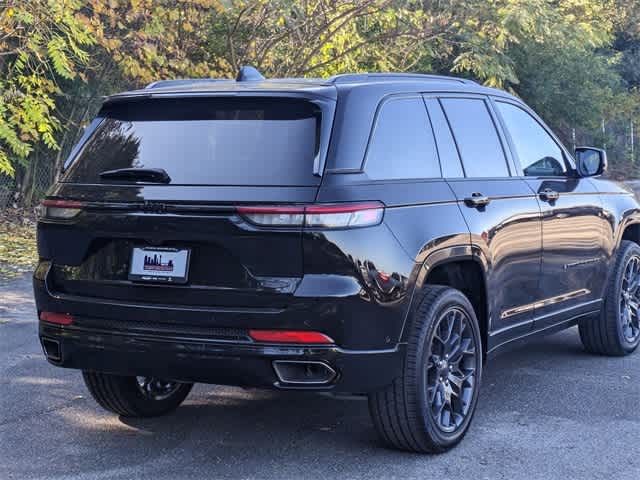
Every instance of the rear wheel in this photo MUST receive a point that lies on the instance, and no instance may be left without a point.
(616, 330)
(136, 396)
(430, 407)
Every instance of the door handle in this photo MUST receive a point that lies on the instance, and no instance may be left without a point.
(477, 200)
(549, 195)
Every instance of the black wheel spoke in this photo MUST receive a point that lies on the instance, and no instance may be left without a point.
(455, 347)
(450, 369)
(146, 384)
(156, 388)
(446, 417)
(456, 381)
(449, 328)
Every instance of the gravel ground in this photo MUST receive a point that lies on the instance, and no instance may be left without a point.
(547, 411)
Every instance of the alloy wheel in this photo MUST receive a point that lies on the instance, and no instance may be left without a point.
(629, 304)
(451, 370)
(156, 388)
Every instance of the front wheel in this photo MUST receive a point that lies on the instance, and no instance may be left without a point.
(136, 396)
(616, 330)
(430, 407)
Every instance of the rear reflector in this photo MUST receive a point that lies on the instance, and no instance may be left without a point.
(58, 318)
(343, 215)
(290, 336)
(59, 209)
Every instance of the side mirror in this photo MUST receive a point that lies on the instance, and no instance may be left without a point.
(590, 161)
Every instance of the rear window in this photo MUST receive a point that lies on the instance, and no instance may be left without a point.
(206, 141)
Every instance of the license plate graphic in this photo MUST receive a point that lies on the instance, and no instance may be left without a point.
(167, 265)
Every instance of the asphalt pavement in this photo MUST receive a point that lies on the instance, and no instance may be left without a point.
(547, 411)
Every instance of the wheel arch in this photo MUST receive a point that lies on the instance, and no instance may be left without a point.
(631, 232)
(461, 267)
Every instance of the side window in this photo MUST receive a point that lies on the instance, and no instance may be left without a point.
(476, 137)
(539, 154)
(402, 144)
(449, 159)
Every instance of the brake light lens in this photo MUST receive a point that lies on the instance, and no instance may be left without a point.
(273, 216)
(59, 209)
(57, 318)
(343, 215)
(290, 336)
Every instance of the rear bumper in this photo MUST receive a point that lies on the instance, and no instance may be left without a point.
(196, 344)
(226, 363)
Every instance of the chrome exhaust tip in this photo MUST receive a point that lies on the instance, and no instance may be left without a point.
(301, 372)
(52, 349)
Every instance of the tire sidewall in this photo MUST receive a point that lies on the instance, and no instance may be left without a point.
(448, 299)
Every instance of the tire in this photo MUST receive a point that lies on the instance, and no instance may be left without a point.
(126, 396)
(403, 413)
(605, 333)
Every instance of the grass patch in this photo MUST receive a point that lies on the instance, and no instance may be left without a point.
(18, 252)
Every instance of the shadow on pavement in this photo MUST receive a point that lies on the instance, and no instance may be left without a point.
(548, 410)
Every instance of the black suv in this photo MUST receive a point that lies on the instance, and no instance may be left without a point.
(379, 234)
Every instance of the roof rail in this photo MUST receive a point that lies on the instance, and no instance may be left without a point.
(372, 77)
(184, 81)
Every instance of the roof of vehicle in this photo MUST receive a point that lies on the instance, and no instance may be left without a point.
(381, 83)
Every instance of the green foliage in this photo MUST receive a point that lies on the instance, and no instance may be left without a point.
(576, 61)
(41, 41)
(316, 37)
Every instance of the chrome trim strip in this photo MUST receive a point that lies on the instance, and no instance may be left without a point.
(582, 262)
(544, 303)
(568, 321)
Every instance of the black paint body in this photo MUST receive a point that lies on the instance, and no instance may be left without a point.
(530, 253)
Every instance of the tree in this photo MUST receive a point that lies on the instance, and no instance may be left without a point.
(321, 37)
(576, 62)
(41, 42)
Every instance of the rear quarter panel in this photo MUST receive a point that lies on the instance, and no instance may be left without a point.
(421, 218)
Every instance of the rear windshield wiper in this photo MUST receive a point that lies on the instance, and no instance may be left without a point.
(154, 175)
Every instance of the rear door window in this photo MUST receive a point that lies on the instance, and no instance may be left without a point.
(206, 141)
(476, 137)
(402, 144)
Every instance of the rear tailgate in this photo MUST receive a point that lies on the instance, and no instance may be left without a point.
(218, 153)
(231, 262)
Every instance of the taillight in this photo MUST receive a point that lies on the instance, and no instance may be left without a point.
(290, 336)
(344, 216)
(341, 215)
(59, 209)
(57, 318)
(273, 216)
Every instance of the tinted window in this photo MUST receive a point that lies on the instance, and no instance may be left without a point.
(538, 153)
(449, 159)
(476, 137)
(402, 144)
(241, 141)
